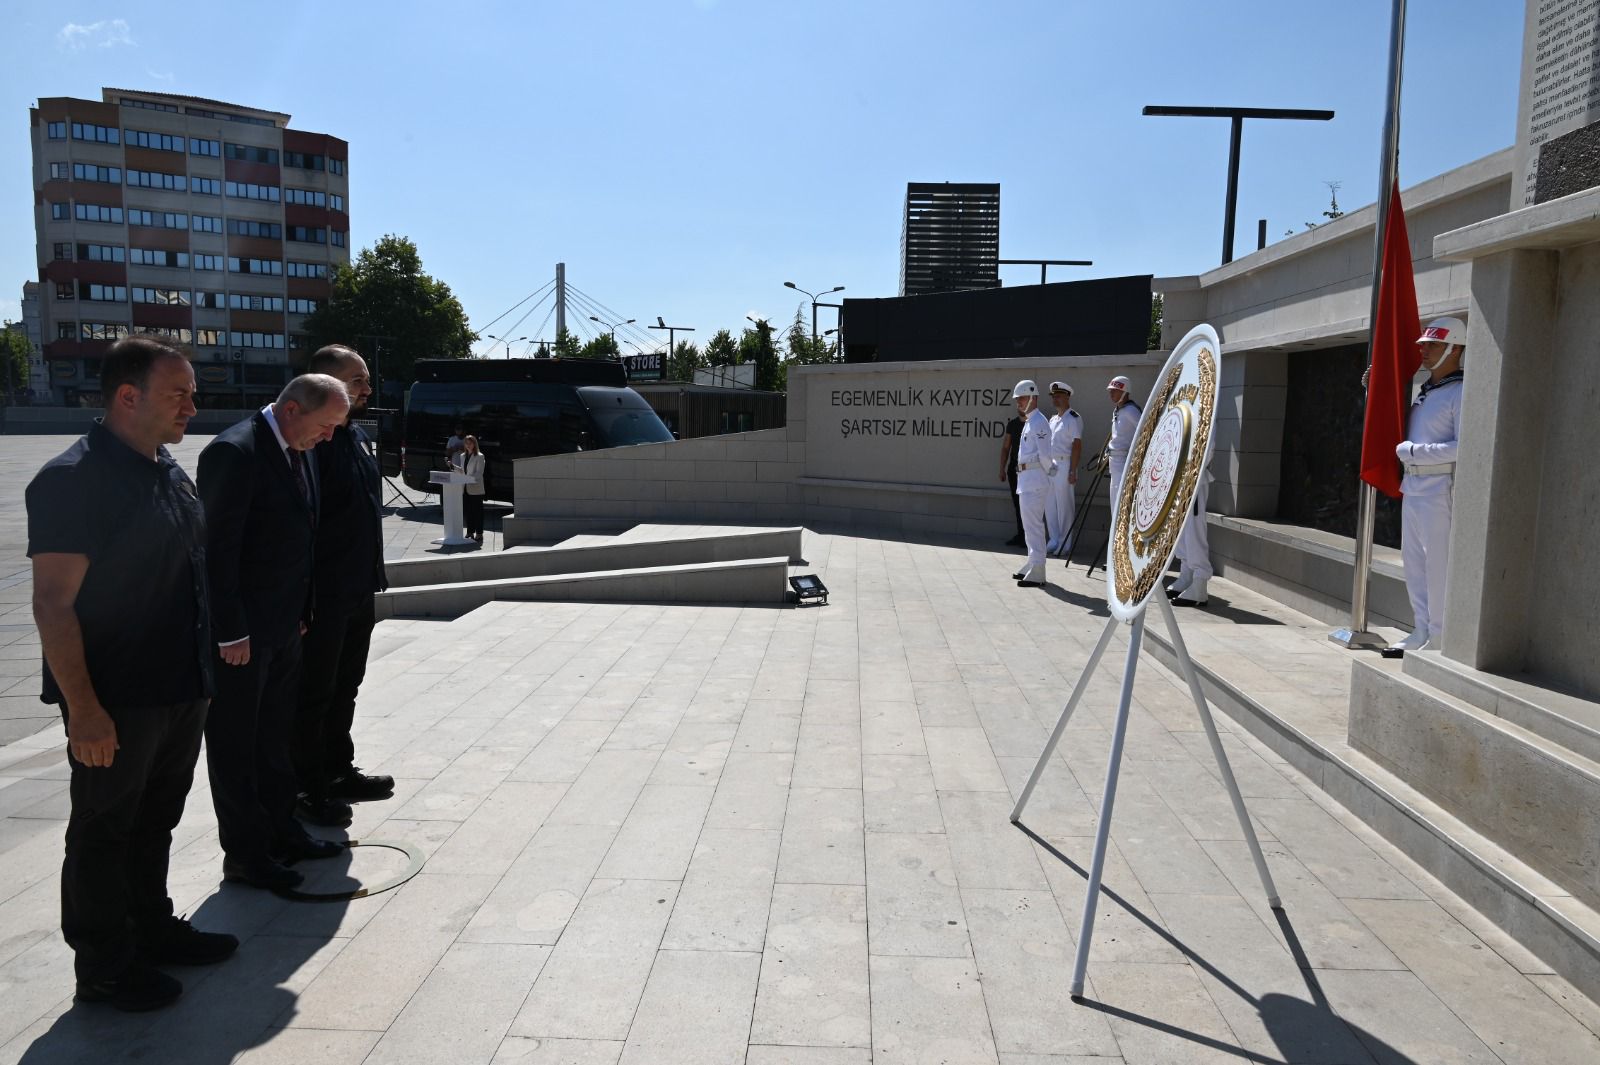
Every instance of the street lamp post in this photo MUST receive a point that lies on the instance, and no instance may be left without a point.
(508, 341)
(672, 331)
(612, 329)
(813, 297)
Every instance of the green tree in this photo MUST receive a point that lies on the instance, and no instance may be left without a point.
(14, 352)
(568, 346)
(603, 346)
(1153, 343)
(755, 345)
(721, 349)
(385, 294)
(683, 362)
(803, 349)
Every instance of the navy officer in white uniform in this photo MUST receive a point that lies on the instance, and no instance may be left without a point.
(1066, 444)
(1124, 424)
(1035, 469)
(1428, 455)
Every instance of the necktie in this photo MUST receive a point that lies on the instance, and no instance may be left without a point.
(297, 464)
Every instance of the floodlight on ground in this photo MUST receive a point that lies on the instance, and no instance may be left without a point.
(808, 586)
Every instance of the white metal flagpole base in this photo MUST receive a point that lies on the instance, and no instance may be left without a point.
(1066, 715)
(1102, 831)
(1239, 810)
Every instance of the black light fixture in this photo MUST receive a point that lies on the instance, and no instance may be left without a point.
(809, 586)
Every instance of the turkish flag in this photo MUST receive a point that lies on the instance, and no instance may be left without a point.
(1395, 357)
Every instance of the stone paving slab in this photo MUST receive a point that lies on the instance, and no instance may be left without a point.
(697, 834)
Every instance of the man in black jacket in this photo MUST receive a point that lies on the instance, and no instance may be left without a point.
(260, 497)
(349, 570)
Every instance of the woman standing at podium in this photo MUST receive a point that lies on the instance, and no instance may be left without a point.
(471, 462)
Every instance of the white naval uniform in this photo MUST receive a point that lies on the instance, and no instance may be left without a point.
(1194, 547)
(1066, 429)
(1033, 489)
(1429, 456)
(1124, 424)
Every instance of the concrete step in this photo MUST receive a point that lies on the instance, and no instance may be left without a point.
(662, 547)
(1535, 798)
(1565, 720)
(519, 532)
(1560, 928)
(757, 581)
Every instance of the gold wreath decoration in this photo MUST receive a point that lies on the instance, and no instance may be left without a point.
(1131, 589)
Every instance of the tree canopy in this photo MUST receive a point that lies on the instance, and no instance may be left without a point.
(755, 345)
(603, 346)
(14, 352)
(684, 361)
(384, 304)
(721, 349)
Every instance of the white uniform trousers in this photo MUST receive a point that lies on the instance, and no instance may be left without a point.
(1032, 502)
(1194, 545)
(1117, 463)
(1059, 512)
(1425, 549)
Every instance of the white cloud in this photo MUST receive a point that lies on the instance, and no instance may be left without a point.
(158, 75)
(107, 33)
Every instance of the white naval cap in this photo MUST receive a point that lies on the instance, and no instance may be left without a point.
(1025, 387)
(1120, 382)
(1060, 386)
(1445, 331)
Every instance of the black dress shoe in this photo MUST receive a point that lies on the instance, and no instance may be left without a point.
(266, 874)
(137, 989)
(174, 941)
(1179, 601)
(355, 786)
(1030, 584)
(1021, 573)
(330, 813)
(306, 847)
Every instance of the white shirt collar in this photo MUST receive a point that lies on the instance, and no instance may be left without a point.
(273, 421)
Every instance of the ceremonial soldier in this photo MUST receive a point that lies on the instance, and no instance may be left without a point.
(1193, 551)
(1035, 467)
(1428, 455)
(1066, 442)
(1124, 423)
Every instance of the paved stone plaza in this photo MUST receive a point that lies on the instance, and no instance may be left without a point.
(704, 835)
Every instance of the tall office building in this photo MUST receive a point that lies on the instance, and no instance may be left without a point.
(950, 241)
(211, 223)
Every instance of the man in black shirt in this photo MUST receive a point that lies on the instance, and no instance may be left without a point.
(349, 570)
(117, 538)
(1008, 471)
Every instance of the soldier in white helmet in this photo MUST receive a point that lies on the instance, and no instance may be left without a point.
(1066, 444)
(1428, 455)
(1035, 468)
(1124, 424)
(1194, 551)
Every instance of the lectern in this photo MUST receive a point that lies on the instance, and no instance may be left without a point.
(451, 483)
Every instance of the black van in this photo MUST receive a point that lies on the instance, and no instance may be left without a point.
(518, 408)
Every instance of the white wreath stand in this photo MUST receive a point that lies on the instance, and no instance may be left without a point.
(1119, 732)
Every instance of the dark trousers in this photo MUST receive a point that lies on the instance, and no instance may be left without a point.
(1016, 507)
(333, 664)
(472, 512)
(248, 735)
(119, 835)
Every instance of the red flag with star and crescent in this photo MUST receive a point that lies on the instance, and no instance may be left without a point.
(1395, 357)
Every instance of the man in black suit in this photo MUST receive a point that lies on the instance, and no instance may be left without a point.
(349, 570)
(260, 497)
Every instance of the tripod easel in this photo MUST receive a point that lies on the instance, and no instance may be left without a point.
(1081, 518)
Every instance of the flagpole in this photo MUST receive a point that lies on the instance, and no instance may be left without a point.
(1356, 635)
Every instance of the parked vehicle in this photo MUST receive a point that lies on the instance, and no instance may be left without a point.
(519, 408)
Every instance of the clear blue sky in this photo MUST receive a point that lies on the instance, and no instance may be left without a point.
(686, 157)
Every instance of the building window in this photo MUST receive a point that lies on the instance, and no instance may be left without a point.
(84, 131)
(305, 197)
(249, 153)
(338, 238)
(308, 234)
(202, 223)
(56, 131)
(158, 257)
(65, 290)
(90, 172)
(307, 269)
(201, 146)
(302, 306)
(94, 212)
(255, 340)
(165, 297)
(61, 251)
(66, 330)
(155, 179)
(254, 266)
(213, 300)
(128, 101)
(245, 191)
(303, 161)
(210, 338)
(60, 212)
(243, 301)
(297, 341)
(102, 330)
(738, 421)
(335, 201)
(89, 290)
(336, 166)
(181, 334)
(102, 253)
(208, 262)
(157, 219)
(244, 227)
(60, 171)
(205, 186)
(161, 142)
